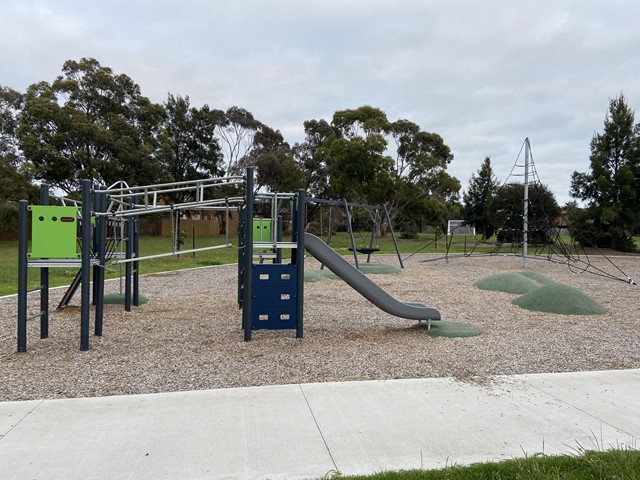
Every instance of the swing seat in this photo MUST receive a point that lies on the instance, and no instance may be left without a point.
(365, 250)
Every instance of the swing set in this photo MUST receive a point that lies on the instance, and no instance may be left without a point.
(368, 241)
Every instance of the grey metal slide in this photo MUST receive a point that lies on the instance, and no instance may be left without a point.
(363, 285)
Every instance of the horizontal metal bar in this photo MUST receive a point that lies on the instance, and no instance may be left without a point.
(59, 263)
(209, 182)
(340, 203)
(170, 254)
(35, 315)
(35, 289)
(270, 196)
(143, 210)
(265, 255)
(275, 245)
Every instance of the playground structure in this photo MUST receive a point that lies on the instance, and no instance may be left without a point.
(525, 240)
(270, 294)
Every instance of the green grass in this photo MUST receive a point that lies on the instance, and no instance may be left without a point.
(612, 464)
(149, 245)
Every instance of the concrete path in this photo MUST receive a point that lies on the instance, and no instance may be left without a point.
(311, 430)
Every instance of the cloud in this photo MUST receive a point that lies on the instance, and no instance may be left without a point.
(484, 75)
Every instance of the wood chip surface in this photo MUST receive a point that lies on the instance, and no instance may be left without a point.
(189, 335)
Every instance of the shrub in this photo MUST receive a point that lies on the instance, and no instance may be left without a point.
(409, 232)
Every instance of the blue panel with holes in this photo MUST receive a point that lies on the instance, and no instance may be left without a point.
(273, 302)
(273, 274)
(273, 318)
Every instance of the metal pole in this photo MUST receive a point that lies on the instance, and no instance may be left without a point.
(393, 235)
(241, 247)
(99, 273)
(278, 258)
(525, 226)
(136, 254)
(23, 240)
(86, 265)
(373, 232)
(333, 213)
(44, 277)
(247, 310)
(300, 265)
(353, 243)
(226, 221)
(128, 256)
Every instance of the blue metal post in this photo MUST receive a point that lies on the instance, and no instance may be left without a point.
(278, 258)
(300, 215)
(23, 240)
(44, 277)
(85, 304)
(247, 289)
(127, 267)
(136, 253)
(241, 223)
(99, 273)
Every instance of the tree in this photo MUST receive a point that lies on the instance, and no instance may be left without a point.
(11, 103)
(508, 204)
(188, 147)
(478, 200)
(611, 187)
(279, 172)
(360, 122)
(421, 162)
(89, 123)
(235, 130)
(276, 168)
(358, 168)
(310, 157)
(15, 174)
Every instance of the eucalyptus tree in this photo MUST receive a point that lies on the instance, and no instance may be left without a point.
(235, 130)
(89, 123)
(358, 166)
(309, 155)
(274, 162)
(188, 149)
(351, 158)
(421, 161)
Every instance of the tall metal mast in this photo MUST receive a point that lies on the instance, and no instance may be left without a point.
(525, 225)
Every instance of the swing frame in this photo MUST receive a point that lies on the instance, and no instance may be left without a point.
(379, 209)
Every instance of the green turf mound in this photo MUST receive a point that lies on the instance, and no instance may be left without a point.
(510, 282)
(118, 299)
(368, 268)
(561, 299)
(538, 277)
(379, 268)
(451, 329)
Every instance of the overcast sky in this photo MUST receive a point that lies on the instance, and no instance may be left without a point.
(483, 74)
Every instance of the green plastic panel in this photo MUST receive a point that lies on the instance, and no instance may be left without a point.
(53, 232)
(261, 229)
